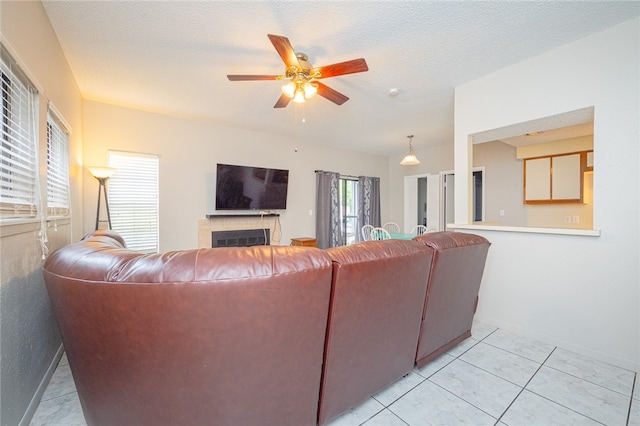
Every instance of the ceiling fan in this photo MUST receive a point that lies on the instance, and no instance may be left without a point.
(303, 77)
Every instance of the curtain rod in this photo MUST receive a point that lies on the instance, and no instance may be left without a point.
(348, 176)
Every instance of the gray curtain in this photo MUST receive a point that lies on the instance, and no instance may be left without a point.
(327, 209)
(368, 203)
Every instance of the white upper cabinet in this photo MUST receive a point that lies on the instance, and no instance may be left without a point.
(554, 179)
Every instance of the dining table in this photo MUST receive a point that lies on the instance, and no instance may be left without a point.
(401, 236)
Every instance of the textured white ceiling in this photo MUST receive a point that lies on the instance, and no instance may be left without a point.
(173, 56)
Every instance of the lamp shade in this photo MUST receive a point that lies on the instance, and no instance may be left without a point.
(101, 172)
(310, 90)
(410, 160)
(289, 89)
(299, 96)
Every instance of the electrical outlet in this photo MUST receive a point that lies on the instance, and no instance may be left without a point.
(501, 212)
(575, 219)
(567, 219)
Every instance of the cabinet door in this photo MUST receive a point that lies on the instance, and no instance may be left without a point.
(566, 183)
(537, 179)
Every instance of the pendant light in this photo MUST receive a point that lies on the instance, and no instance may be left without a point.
(411, 158)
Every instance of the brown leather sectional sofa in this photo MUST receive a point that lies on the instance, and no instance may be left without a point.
(262, 335)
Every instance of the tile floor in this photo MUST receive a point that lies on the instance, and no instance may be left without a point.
(492, 378)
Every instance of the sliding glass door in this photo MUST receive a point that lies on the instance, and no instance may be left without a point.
(348, 210)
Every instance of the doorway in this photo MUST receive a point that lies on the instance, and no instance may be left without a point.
(478, 194)
(448, 198)
(422, 201)
(430, 198)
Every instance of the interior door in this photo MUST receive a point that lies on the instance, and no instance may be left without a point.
(410, 202)
(448, 200)
(433, 202)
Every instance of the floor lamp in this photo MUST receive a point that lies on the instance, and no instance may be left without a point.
(102, 174)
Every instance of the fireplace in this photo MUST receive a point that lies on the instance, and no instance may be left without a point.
(240, 238)
(255, 223)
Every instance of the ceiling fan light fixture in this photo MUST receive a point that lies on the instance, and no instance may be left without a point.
(410, 159)
(300, 90)
(289, 89)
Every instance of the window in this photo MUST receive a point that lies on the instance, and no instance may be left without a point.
(133, 199)
(18, 143)
(348, 210)
(57, 167)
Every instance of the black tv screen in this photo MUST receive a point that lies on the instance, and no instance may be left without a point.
(250, 188)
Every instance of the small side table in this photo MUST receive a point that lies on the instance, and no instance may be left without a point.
(304, 241)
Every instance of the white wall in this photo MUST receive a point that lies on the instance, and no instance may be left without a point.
(579, 292)
(189, 151)
(29, 333)
(503, 177)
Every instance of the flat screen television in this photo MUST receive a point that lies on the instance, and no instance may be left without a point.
(251, 188)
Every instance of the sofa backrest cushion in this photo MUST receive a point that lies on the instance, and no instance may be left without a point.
(376, 307)
(452, 294)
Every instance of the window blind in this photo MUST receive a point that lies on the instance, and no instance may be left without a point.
(18, 144)
(133, 199)
(57, 167)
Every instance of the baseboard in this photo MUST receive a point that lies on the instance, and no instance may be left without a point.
(35, 401)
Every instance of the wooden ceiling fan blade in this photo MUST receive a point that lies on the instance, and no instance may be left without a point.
(328, 93)
(253, 77)
(283, 101)
(284, 49)
(341, 68)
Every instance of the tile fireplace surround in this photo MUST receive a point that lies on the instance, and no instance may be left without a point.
(231, 223)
